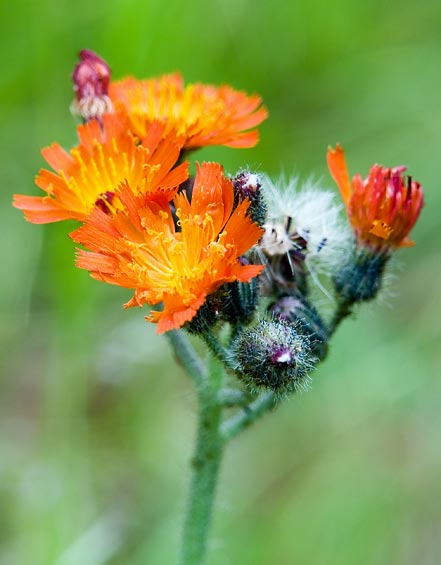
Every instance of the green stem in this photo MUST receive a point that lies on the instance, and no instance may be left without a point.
(232, 397)
(248, 416)
(215, 345)
(187, 357)
(344, 309)
(205, 469)
(212, 436)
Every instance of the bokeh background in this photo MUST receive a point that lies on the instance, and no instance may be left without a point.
(96, 421)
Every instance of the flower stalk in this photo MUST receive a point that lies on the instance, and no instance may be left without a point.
(251, 413)
(187, 357)
(213, 434)
(205, 466)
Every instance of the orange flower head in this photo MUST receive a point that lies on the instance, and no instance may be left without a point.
(382, 208)
(204, 114)
(91, 172)
(176, 264)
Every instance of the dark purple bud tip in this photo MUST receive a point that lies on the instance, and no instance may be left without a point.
(91, 78)
(247, 184)
(284, 308)
(282, 356)
(91, 75)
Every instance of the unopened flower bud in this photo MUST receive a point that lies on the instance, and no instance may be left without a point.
(91, 79)
(240, 299)
(207, 315)
(248, 185)
(273, 355)
(297, 310)
(359, 280)
(233, 302)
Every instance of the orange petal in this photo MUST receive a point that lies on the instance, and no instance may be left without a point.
(339, 171)
(57, 157)
(407, 242)
(40, 209)
(248, 272)
(174, 319)
(96, 263)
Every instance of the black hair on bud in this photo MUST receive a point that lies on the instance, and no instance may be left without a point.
(242, 300)
(206, 317)
(248, 185)
(359, 280)
(273, 355)
(234, 302)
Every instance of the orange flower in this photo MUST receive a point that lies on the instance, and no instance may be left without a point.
(382, 208)
(90, 174)
(204, 114)
(140, 248)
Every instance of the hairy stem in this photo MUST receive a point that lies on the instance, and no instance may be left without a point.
(248, 416)
(216, 347)
(212, 436)
(187, 357)
(232, 397)
(205, 470)
(344, 309)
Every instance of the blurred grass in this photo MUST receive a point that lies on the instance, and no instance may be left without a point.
(96, 421)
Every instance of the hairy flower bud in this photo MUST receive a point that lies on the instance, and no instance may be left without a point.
(207, 315)
(240, 299)
(234, 302)
(91, 78)
(297, 310)
(248, 185)
(360, 278)
(273, 355)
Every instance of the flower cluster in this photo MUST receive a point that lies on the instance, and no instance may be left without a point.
(209, 250)
(124, 181)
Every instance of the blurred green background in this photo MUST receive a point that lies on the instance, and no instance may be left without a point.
(96, 421)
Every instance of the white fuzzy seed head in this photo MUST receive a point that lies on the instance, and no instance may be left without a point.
(306, 219)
